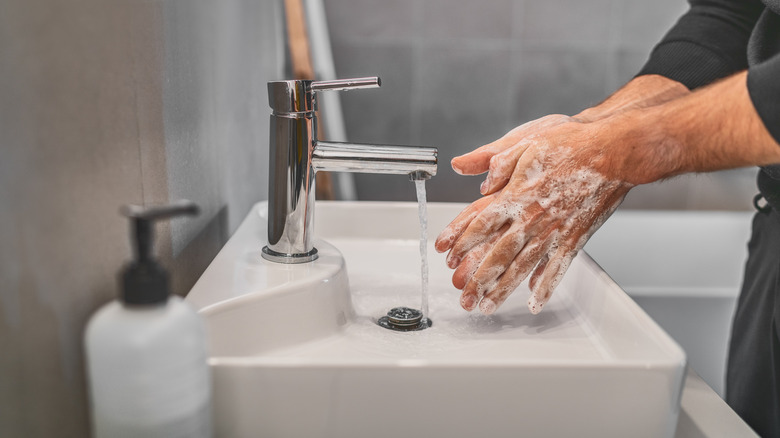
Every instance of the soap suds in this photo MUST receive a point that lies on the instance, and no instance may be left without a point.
(557, 199)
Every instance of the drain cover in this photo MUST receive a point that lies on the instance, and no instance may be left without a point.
(404, 319)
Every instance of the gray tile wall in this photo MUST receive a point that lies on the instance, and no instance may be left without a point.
(105, 103)
(460, 73)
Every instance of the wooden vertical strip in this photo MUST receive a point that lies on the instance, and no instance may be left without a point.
(298, 40)
(302, 66)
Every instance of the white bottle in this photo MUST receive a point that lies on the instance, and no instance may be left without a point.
(146, 353)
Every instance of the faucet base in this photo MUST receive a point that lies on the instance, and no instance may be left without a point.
(289, 259)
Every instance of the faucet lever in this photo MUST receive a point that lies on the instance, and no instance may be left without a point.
(346, 84)
(296, 97)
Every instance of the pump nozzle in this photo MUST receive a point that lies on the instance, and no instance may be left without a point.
(144, 281)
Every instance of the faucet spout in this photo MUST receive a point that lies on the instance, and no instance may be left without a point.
(370, 158)
(296, 154)
(420, 175)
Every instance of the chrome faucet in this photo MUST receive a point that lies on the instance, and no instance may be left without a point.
(296, 154)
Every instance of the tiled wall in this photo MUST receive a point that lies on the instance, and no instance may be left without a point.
(105, 103)
(460, 73)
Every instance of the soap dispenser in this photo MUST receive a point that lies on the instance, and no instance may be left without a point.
(146, 352)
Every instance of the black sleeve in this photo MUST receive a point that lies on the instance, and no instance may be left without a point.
(709, 42)
(764, 89)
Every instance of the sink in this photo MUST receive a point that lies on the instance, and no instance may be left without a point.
(296, 352)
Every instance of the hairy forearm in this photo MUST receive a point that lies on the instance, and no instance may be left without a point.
(713, 128)
(641, 92)
(500, 156)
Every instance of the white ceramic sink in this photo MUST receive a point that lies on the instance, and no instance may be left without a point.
(296, 352)
(684, 268)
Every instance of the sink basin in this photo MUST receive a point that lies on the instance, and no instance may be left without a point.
(296, 351)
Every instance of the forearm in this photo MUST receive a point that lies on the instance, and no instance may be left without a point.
(641, 92)
(713, 128)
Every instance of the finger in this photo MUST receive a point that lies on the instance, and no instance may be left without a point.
(472, 260)
(472, 163)
(479, 230)
(550, 278)
(463, 275)
(478, 160)
(468, 266)
(552, 240)
(500, 256)
(450, 234)
(502, 167)
(549, 274)
(504, 252)
(537, 272)
(517, 272)
(470, 296)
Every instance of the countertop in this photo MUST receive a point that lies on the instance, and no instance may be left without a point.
(704, 414)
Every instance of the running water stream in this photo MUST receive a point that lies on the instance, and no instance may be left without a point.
(407, 318)
(422, 210)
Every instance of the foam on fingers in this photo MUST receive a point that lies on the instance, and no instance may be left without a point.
(549, 279)
(555, 191)
(453, 231)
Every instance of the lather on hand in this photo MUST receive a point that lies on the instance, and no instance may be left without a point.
(541, 219)
(551, 183)
(558, 193)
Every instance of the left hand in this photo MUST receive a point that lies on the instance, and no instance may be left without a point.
(499, 158)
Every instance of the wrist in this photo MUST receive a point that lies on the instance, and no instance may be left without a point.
(639, 148)
(641, 92)
(592, 114)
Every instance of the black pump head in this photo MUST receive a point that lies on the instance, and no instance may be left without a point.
(144, 281)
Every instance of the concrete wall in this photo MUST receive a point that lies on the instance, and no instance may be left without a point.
(460, 73)
(104, 103)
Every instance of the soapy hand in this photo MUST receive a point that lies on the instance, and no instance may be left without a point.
(551, 184)
(499, 158)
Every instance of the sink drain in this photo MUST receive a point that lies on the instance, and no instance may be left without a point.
(404, 319)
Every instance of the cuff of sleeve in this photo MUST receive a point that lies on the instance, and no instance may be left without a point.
(764, 90)
(686, 62)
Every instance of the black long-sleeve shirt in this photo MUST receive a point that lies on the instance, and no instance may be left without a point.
(716, 38)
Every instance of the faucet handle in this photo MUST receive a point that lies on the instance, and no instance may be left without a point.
(297, 96)
(346, 84)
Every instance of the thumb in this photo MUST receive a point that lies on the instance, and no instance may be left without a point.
(478, 160)
(472, 163)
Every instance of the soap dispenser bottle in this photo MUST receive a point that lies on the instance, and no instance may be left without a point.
(146, 352)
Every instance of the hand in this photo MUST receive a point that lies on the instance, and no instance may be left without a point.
(500, 157)
(564, 184)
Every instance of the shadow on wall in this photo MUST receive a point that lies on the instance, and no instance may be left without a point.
(195, 257)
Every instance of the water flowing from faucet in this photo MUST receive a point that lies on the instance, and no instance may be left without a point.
(422, 210)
